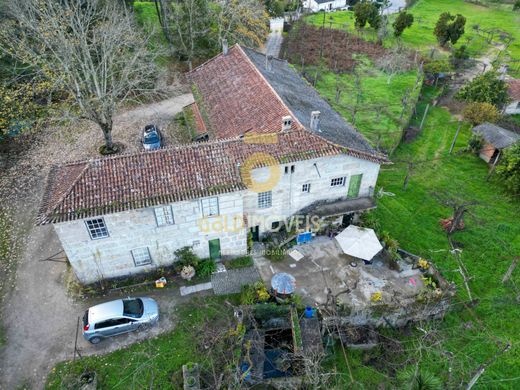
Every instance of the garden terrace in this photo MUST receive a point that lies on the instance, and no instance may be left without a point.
(399, 291)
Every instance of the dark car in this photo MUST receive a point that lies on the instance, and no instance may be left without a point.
(152, 138)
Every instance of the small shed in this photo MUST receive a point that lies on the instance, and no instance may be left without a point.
(495, 140)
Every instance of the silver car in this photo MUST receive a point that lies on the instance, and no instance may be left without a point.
(120, 316)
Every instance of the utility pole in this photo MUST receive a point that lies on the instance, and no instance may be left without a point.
(322, 35)
(424, 116)
(455, 138)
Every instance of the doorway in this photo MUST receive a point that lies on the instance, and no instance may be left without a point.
(354, 186)
(255, 233)
(214, 249)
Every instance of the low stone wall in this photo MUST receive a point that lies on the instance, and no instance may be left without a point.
(433, 304)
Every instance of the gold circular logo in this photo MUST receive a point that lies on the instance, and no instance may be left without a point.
(259, 160)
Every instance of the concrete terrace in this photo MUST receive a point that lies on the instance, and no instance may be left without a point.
(324, 266)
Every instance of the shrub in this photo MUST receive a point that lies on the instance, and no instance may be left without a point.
(477, 113)
(390, 243)
(239, 262)
(206, 267)
(254, 293)
(434, 67)
(274, 253)
(475, 143)
(185, 257)
(369, 220)
(516, 5)
(458, 56)
(509, 168)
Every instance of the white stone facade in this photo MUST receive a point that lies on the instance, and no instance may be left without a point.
(288, 196)
(513, 108)
(327, 6)
(111, 257)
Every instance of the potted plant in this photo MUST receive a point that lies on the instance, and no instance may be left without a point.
(187, 272)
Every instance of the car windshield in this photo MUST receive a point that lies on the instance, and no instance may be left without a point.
(151, 138)
(133, 308)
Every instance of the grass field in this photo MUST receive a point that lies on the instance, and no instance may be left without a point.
(426, 13)
(154, 363)
(379, 92)
(491, 236)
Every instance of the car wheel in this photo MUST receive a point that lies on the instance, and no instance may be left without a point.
(95, 340)
(143, 327)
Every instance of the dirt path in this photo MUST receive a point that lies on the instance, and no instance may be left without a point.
(480, 65)
(38, 316)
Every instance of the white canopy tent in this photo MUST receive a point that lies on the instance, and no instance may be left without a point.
(359, 242)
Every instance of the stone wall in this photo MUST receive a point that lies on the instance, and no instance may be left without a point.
(287, 195)
(111, 257)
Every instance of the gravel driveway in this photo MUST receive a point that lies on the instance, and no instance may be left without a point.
(38, 316)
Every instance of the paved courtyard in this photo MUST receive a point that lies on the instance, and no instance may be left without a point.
(324, 266)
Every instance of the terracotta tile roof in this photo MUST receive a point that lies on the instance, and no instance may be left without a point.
(200, 126)
(514, 89)
(236, 96)
(114, 184)
(240, 94)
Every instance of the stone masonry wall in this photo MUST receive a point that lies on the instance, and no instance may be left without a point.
(287, 195)
(111, 257)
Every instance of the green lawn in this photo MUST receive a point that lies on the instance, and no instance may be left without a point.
(154, 363)
(426, 12)
(492, 234)
(379, 92)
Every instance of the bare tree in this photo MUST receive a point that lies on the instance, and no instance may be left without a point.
(92, 50)
(243, 21)
(190, 21)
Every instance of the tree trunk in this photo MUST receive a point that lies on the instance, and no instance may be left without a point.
(107, 132)
(458, 216)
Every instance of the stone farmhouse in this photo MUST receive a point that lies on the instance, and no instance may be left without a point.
(270, 149)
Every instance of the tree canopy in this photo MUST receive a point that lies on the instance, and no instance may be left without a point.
(367, 12)
(403, 21)
(509, 168)
(449, 28)
(92, 50)
(486, 88)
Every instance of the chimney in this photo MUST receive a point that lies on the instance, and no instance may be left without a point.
(225, 47)
(269, 62)
(315, 121)
(286, 123)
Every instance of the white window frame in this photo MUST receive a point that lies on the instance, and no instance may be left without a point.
(141, 256)
(97, 230)
(306, 188)
(265, 199)
(210, 207)
(338, 181)
(164, 216)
